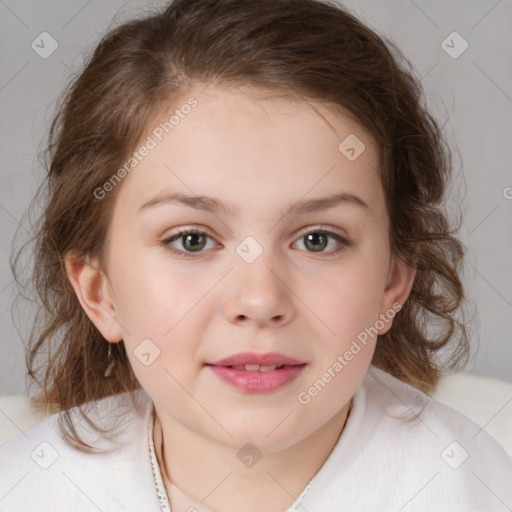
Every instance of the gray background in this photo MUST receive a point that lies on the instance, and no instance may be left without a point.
(471, 95)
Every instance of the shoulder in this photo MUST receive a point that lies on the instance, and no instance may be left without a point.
(409, 410)
(38, 467)
(452, 455)
(401, 449)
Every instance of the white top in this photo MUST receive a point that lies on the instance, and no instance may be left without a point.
(439, 460)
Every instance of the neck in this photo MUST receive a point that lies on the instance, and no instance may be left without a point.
(204, 471)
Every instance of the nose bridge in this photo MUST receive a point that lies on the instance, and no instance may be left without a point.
(257, 268)
(258, 292)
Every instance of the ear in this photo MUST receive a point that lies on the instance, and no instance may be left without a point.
(95, 295)
(398, 287)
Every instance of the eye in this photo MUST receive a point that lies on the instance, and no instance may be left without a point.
(192, 241)
(317, 240)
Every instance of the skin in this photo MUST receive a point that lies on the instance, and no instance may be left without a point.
(260, 155)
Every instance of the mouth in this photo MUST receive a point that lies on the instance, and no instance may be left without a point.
(257, 367)
(257, 373)
(253, 361)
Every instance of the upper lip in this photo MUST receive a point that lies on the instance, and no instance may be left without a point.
(268, 359)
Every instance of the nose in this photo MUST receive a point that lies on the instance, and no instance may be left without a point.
(259, 293)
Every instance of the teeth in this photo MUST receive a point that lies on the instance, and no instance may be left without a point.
(269, 368)
(256, 368)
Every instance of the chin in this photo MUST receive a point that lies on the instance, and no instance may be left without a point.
(266, 436)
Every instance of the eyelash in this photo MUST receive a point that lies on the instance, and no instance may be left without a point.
(344, 243)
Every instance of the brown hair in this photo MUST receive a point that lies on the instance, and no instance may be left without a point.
(319, 51)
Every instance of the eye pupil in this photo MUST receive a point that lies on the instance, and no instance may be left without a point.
(314, 238)
(192, 236)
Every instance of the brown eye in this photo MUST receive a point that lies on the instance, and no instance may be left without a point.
(318, 240)
(189, 242)
(193, 241)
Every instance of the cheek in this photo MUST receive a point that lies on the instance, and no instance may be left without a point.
(348, 303)
(354, 289)
(151, 301)
(348, 316)
(168, 307)
(157, 314)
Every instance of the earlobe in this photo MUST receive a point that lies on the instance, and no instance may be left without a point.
(399, 284)
(94, 293)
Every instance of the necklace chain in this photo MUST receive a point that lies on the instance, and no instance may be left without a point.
(161, 492)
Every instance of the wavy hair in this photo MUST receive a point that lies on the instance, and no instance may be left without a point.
(308, 49)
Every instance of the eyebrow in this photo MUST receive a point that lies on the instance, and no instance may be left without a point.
(207, 203)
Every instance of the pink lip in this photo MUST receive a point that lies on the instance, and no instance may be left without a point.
(254, 358)
(256, 381)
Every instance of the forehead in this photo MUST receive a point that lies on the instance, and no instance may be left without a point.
(245, 147)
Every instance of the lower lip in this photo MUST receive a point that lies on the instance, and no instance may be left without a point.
(258, 382)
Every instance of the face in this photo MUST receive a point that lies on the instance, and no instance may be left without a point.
(270, 269)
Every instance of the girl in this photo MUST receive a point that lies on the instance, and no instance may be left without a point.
(241, 258)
